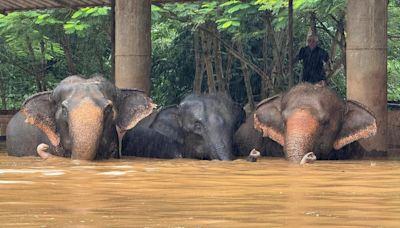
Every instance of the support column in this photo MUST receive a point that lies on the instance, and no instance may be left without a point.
(366, 62)
(133, 44)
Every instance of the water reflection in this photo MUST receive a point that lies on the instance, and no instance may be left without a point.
(191, 193)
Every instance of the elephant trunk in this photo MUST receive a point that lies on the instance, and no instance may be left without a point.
(221, 148)
(85, 129)
(301, 128)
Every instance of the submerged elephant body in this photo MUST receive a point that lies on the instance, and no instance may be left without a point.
(312, 118)
(199, 127)
(81, 119)
(247, 138)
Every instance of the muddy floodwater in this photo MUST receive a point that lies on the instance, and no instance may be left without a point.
(190, 193)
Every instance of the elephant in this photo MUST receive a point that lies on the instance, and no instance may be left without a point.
(247, 138)
(200, 127)
(81, 118)
(312, 118)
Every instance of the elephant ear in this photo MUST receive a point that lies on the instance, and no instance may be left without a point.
(358, 123)
(268, 119)
(167, 122)
(132, 106)
(39, 111)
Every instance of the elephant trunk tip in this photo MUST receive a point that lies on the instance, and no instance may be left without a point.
(254, 155)
(42, 151)
(308, 158)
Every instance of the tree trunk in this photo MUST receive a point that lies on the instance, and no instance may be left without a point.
(100, 60)
(275, 47)
(290, 31)
(218, 63)
(247, 81)
(236, 54)
(313, 23)
(207, 59)
(337, 41)
(65, 43)
(198, 74)
(35, 71)
(4, 102)
(228, 71)
(343, 48)
(42, 73)
(266, 83)
(3, 92)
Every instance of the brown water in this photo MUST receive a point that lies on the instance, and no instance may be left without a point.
(191, 193)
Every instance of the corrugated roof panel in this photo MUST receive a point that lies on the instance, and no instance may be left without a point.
(13, 5)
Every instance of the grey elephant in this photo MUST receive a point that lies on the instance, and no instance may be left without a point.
(200, 127)
(312, 118)
(81, 118)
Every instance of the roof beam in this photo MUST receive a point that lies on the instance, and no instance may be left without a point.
(18, 5)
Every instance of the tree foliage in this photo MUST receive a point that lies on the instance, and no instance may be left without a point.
(240, 45)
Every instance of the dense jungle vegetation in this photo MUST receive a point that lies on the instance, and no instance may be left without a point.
(237, 46)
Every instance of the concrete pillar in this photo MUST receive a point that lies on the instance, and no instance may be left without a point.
(366, 62)
(133, 44)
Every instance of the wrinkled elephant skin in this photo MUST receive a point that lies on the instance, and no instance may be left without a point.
(312, 117)
(78, 119)
(200, 127)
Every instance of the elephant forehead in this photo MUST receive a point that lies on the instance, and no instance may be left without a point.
(195, 108)
(85, 115)
(78, 91)
(301, 121)
(323, 110)
(86, 109)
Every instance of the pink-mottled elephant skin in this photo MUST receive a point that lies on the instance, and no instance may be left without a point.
(81, 118)
(312, 118)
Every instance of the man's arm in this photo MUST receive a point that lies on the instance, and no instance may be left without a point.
(300, 55)
(327, 61)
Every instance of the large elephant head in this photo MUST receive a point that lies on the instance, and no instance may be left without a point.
(312, 118)
(81, 116)
(204, 124)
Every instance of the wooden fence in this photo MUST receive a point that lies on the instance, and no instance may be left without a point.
(393, 131)
(5, 116)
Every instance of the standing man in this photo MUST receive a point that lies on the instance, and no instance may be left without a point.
(313, 60)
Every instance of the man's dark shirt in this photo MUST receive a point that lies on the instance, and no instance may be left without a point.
(313, 70)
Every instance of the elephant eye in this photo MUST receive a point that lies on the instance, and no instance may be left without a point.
(198, 126)
(64, 110)
(108, 109)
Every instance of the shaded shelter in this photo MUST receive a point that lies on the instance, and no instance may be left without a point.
(366, 48)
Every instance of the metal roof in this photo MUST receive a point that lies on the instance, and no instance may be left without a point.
(14, 5)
